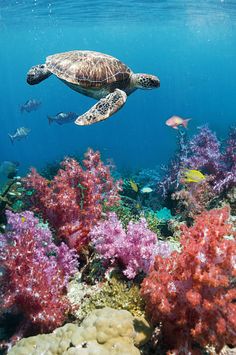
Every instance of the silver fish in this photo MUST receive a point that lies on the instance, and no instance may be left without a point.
(63, 117)
(30, 105)
(21, 132)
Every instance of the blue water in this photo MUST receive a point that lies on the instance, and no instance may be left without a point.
(190, 45)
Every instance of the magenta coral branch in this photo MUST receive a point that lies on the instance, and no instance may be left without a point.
(133, 248)
(73, 201)
(36, 272)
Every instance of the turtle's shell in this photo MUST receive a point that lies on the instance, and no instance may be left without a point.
(89, 69)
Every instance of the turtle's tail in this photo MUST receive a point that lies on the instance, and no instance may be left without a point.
(37, 74)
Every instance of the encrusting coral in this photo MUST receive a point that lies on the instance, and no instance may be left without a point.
(104, 332)
(192, 292)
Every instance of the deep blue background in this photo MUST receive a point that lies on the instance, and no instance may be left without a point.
(193, 53)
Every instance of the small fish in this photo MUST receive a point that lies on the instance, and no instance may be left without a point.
(176, 121)
(146, 190)
(30, 105)
(133, 185)
(21, 132)
(63, 117)
(23, 219)
(190, 175)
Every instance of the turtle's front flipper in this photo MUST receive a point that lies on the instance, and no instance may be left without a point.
(103, 109)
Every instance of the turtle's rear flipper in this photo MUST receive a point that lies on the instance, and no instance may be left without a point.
(103, 109)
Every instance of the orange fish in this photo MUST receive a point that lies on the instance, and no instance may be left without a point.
(176, 121)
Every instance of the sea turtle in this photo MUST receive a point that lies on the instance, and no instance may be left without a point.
(94, 74)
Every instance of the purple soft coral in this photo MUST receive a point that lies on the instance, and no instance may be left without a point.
(205, 153)
(228, 174)
(25, 222)
(133, 248)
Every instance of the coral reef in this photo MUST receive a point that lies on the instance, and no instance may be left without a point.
(104, 332)
(35, 273)
(192, 291)
(72, 202)
(168, 256)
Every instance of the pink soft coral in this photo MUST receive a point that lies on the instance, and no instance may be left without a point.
(133, 248)
(192, 292)
(35, 273)
(72, 202)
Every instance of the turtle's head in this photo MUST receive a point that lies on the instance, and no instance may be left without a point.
(145, 81)
(37, 74)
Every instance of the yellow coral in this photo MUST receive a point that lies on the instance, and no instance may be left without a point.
(104, 332)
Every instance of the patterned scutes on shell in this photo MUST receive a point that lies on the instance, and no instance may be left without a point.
(89, 69)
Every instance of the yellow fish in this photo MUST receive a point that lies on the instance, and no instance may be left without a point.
(133, 185)
(23, 219)
(190, 175)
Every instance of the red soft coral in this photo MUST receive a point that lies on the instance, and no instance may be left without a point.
(192, 292)
(72, 202)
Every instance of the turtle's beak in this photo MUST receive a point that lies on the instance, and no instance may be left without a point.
(37, 74)
(33, 76)
(155, 82)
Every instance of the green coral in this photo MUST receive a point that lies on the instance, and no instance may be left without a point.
(125, 214)
(117, 294)
(152, 221)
